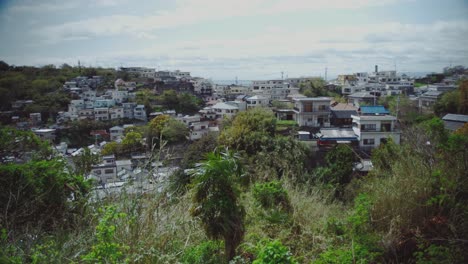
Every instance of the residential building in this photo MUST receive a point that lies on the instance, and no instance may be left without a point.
(341, 114)
(361, 98)
(45, 134)
(271, 89)
(429, 98)
(104, 103)
(128, 110)
(35, 119)
(256, 101)
(116, 112)
(312, 111)
(198, 129)
(139, 113)
(373, 126)
(222, 110)
(105, 172)
(116, 133)
(453, 122)
(101, 114)
(86, 114)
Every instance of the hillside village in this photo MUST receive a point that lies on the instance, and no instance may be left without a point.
(136, 130)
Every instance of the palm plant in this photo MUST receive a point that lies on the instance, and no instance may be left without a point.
(216, 199)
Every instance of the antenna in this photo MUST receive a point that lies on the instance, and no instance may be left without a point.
(326, 69)
(282, 75)
(236, 81)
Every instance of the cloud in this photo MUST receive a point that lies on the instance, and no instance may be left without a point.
(190, 12)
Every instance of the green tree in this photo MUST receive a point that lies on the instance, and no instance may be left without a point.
(133, 141)
(216, 200)
(111, 148)
(85, 161)
(250, 130)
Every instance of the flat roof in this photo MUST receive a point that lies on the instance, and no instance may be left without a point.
(313, 99)
(456, 118)
(339, 134)
(375, 117)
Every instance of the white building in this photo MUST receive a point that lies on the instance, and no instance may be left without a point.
(257, 101)
(222, 110)
(312, 111)
(116, 112)
(139, 113)
(271, 89)
(116, 133)
(101, 114)
(374, 127)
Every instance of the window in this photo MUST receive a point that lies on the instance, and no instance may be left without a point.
(369, 141)
(369, 127)
(322, 107)
(307, 107)
(108, 171)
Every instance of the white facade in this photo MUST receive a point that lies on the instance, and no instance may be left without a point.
(373, 130)
(116, 112)
(224, 110)
(116, 133)
(139, 113)
(271, 89)
(101, 114)
(256, 101)
(312, 112)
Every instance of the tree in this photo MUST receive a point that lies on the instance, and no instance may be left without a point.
(133, 141)
(250, 131)
(463, 106)
(216, 200)
(85, 161)
(449, 103)
(111, 148)
(39, 190)
(167, 128)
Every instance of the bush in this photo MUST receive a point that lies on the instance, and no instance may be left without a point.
(209, 252)
(272, 195)
(274, 252)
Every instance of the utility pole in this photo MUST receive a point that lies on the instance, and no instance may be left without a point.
(282, 75)
(326, 74)
(397, 106)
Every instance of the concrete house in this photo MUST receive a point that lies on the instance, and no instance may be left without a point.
(116, 133)
(374, 126)
(256, 101)
(312, 111)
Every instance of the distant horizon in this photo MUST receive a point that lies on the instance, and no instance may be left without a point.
(250, 39)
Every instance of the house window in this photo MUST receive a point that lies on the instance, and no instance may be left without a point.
(322, 107)
(369, 141)
(108, 171)
(307, 107)
(98, 172)
(369, 127)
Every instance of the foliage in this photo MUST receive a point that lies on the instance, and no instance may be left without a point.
(167, 128)
(85, 161)
(250, 130)
(133, 141)
(448, 103)
(273, 252)
(216, 200)
(111, 148)
(105, 249)
(272, 195)
(339, 169)
(209, 252)
(181, 102)
(39, 189)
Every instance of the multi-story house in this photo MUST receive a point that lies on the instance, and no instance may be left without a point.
(271, 89)
(101, 114)
(116, 133)
(256, 101)
(139, 113)
(222, 110)
(86, 113)
(106, 171)
(104, 103)
(116, 112)
(312, 111)
(128, 110)
(374, 126)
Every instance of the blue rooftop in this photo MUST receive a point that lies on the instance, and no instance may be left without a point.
(373, 110)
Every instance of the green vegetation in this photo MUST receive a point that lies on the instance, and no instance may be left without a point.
(261, 201)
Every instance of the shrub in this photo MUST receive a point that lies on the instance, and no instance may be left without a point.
(209, 252)
(273, 252)
(272, 195)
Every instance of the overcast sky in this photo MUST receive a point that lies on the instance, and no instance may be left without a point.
(251, 39)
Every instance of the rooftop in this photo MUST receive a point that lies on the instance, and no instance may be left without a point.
(222, 105)
(375, 117)
(372, 110)
(312, 99)
(456, 118)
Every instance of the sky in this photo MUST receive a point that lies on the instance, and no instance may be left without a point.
(247, 39)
